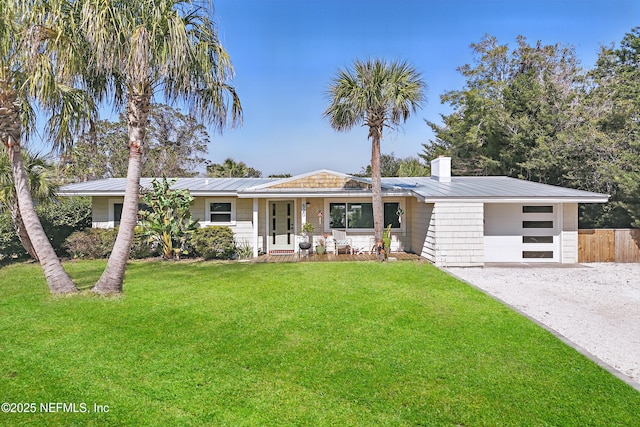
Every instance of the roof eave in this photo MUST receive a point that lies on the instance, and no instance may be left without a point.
(517, 199)
(117, 193)
(311, 194)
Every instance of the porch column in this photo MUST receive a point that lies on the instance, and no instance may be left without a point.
(255, 228)
(303, 216)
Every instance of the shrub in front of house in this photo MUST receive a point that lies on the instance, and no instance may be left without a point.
(244, 250)
(214, 242)
(94, 243)
(141, 247)
(61, 218)
(10, 246)
(91, 243)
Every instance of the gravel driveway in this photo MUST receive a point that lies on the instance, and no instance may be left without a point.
(594, 306)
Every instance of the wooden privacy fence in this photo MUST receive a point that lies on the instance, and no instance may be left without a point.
(606, 245)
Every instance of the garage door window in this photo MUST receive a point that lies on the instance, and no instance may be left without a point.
(537, 239)
(538, 214)
(537, 254)
(537, 209)
(537, 224)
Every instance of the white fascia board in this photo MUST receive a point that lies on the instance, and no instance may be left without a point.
(516, 200)
(320, 194)
(121, 194)
(90, 193)
(213, 193)
(272, 194)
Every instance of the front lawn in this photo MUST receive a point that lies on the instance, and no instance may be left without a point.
(306, 344)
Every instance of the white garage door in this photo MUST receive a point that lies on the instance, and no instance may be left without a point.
(521, 232)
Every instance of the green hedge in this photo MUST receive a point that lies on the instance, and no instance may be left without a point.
(215, 242)
(210, 243)
(10, 246)
(61, 218)
(95, 243)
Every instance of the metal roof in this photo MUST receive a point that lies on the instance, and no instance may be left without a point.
(491, 188)
(196, 186)
(480, 188)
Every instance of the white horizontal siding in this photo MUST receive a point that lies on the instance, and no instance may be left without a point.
(100, 212)
(197, 209)
(243, 229)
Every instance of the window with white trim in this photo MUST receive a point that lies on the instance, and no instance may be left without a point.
(220, 211)
(117, 211)
(359, 215)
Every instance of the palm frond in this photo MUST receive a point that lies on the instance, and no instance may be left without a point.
(169, 46)
(43, 69)
(375, 93)
(39, 175)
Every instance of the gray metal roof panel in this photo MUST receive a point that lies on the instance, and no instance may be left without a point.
(196, 186)
(480, 187)
(477, 187)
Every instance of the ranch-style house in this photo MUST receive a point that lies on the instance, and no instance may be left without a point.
(450, 221)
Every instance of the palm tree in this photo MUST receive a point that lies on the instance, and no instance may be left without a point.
(232, 169)
(39, 64)
(41, 186)
(376, 94)
(147, 46)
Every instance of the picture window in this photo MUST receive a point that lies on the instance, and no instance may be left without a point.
(359, 215)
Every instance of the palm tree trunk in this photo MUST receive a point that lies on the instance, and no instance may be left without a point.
(112, 278)
(57, 278)
(376, 185)
(21, 231)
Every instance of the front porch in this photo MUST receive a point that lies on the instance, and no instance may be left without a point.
(331, 257)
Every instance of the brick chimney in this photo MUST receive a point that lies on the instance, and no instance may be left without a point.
(441, 169)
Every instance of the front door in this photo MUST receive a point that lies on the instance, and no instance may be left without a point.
(281, 237)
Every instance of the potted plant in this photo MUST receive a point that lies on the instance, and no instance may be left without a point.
(307, 228)
(386, 238)
(386, 243)
(320, 246)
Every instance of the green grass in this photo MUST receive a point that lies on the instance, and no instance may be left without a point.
(307, 344)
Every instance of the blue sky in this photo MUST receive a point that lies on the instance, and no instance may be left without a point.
(285, 53)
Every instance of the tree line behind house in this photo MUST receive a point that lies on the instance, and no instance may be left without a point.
(530, 112)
